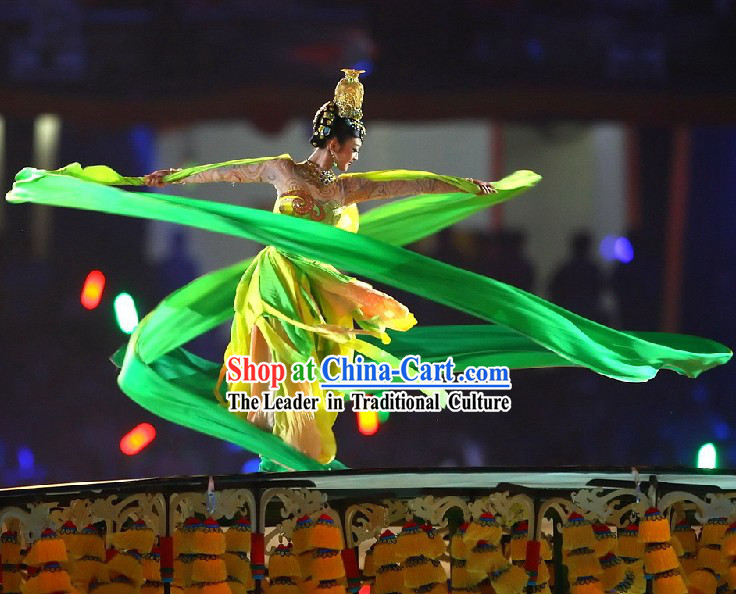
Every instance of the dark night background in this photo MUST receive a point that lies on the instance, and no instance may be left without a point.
(116, 72)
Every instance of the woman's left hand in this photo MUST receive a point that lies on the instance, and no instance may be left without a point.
(484, 186)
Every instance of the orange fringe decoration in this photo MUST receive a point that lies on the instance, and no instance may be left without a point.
(484, 558)
(330, 587)
(713, 531)
(628, 543)
(12, 579)
(660, 557)
(669, 582)
(436, 588)
(51, 578)
(305, 564)
(436, 544)
(510, 580)
(654, 527)
(152, 566)
(89, 543)
(238, 536)
(327, 565)
(369, 569)
(236, 586)
(216, 588)
(613, 571)
(689, 563)
(390, 578)
(238, 565)
(731, 576)
(126, 564)
(519, 538)
(586, 585)
(710, 557)
(541, 589)
(728, 546)
(458, 548)
(88, 569)
(186, 537)
(460, 577)
(484, 528)
(582, 563)
(238, 568)
(605, 540)
(283, 585)
(134, 537)
(417, 571)
(208, 539)
(120, 586)
(301, 537)
(686, 536)
(326, 535)
(68, 533)
(412, 541)
(640, 583)
(384, 551)
(283, 563)
(627, 585)
(152, 587)
(183, 570)
(702, 581)
(209, 569)
(10, 548)
(47, 549)
(577, 533)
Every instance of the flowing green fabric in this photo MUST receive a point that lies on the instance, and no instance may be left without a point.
(161, 376)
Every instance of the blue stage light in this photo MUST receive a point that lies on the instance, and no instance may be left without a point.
(250, 466)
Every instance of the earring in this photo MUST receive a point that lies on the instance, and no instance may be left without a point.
(334, 158)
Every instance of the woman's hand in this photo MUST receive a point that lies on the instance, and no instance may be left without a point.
(156, 179)
(483, 186)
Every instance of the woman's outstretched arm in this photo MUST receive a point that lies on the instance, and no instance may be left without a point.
(265, 171)
(360, 187)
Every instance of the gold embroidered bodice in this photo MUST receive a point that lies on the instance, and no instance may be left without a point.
(299, 203)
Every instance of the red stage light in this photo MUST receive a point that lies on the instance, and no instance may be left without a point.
(137, 438)
(92, 289)
(367, 422)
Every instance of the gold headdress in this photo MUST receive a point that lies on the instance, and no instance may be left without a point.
(349, 95)
(347, 104)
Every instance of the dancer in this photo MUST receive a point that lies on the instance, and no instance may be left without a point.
(292, 303)
(289, 308)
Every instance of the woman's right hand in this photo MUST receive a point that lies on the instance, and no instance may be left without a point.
(156, 179)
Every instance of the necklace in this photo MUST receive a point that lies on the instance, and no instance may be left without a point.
(315, 174)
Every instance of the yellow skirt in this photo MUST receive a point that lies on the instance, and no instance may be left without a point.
(289, 308)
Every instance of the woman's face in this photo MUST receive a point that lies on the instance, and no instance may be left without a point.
(345, 153)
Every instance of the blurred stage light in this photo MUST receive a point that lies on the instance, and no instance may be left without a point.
(126, 313)
(614, 247)
(623, 250)
(366, 65)
(707, 456)
(250, 466)
(367, 422)
(26, 459)
(722, 430)
(137, 438)
(92, 289)
(383, 416)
